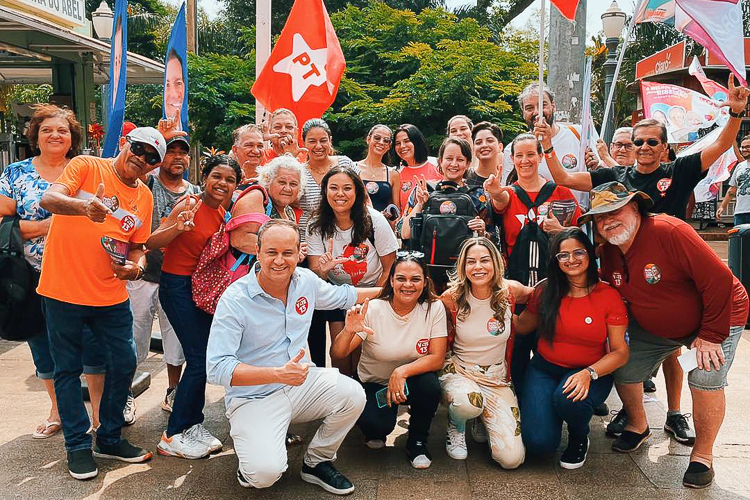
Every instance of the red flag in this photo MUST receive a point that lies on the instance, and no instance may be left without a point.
(306, 65)
(567, 8)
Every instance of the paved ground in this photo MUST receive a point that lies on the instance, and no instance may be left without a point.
(36, 469)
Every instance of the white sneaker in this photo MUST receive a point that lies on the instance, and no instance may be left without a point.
(207, 438)
(128, 413)
(455, 442)
(479, 431)
(186, 444)
(375, 444)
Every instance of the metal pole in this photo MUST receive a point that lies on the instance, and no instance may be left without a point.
(541, 61)
(610, 83)
(262, 45)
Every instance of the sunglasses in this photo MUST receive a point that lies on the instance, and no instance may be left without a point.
(402, 254)
(650, 142)
(384, 140)
(576, 254)
(139, 149)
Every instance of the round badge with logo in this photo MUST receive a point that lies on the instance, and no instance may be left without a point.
(423, 346)
(662, 185)
(569, 161)
(495, 327)
(301, 305)
(652, 273)
(372, 187)
(543, 209)
(447, 207)
(588, 320)
(127, 223)
(406, 186)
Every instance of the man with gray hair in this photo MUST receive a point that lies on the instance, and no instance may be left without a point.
(621, 150)
(566, 138)
(247, 149)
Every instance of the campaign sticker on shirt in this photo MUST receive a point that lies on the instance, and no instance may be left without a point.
(617, 279)
(662, 185)
(447, 207)
(423, 345)
(652, 273)
(588, 320)
(111, 202)
(495, 327)
(543, 209)
(372, 187)
(569, 161)
(128, 223)
(301, 305)
(406, 186)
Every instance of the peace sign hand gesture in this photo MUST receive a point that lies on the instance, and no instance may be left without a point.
(185, 218)
(422, 192)
(355, 319)
(327, 262)
(737, 96)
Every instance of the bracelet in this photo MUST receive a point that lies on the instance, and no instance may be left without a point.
(550, 155)
(741, 114)
(141, 273)
(548, 151)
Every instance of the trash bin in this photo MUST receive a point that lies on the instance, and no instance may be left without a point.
(739, 254)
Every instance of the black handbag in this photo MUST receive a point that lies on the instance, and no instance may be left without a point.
(20, 306)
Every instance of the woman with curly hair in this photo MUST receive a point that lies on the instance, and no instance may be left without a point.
(348, 242)
(476, 376)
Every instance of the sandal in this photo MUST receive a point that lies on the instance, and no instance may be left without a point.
(49, 430)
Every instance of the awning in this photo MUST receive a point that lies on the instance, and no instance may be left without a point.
(28, 46)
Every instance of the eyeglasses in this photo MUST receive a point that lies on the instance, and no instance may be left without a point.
(402, 254)
(384, 140)
(650, 142)
(139, 149)
(627, 146)
(576, 254)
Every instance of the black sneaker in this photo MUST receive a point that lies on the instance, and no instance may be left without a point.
(602, 410)
(698, 476)
(418, 454)
(617, 424)
(677, 426)
(81, 464)
(243, 482)
(574, 455)
(630, 441)
(123, 451)
(327, 477)
(649, 386)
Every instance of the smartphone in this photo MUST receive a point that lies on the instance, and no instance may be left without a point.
(381, 399)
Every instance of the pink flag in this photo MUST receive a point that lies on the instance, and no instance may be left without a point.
(717, 25)
(714, 90)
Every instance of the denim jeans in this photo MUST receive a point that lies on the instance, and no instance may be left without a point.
(545, 407)
(112, 326)
(192, 326)
(93, 355)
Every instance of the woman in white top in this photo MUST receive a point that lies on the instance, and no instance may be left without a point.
(348, 242)
(476, 376)
(403, 338)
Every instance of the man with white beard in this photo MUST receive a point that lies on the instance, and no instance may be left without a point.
(678, 293)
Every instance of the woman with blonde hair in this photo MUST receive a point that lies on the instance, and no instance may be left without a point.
(475, 379)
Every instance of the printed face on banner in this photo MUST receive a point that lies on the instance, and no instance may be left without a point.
(117, 41)
(174, 86)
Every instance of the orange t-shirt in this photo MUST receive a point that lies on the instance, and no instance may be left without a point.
(182, 254)
(75, 267)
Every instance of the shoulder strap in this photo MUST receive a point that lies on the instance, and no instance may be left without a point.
(575, 132)
(544, 194)
(150, 182)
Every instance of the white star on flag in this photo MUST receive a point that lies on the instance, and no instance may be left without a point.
(306, 66)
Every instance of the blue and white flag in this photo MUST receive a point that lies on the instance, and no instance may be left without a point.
(176, 73)
(118, 63)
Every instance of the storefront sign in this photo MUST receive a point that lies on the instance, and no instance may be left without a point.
(669, 59)
(66, 13)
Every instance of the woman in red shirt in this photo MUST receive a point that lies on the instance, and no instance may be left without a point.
(581, 322)
(184, 233)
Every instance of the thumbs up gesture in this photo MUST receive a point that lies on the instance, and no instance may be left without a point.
(294, 372)
(95, 208)
(327, 262)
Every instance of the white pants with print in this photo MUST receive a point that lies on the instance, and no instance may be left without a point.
(259, 426)
(144, 301)
(471, 392)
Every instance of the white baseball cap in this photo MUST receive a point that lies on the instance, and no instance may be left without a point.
(150, 136)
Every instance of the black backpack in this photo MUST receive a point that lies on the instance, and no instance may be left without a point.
(20, 306)
(527, 261)
(443, 224)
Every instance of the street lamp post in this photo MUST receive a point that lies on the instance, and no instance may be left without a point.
(613, 20)
(102, 19)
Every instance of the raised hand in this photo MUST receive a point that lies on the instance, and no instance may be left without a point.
(294, 372)
(590, 159)
(737, 100)
(543, 132)
(185, 218)
(302, 251)
(326, 262)
(355, 318)
(422, 191)
(95, 208)
(493, 186)
(170, 127)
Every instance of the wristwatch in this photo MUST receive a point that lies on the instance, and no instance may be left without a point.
(741, 114)
(592, 373)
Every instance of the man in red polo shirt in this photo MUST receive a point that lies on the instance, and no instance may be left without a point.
(678, 293)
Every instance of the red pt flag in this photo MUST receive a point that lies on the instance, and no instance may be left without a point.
(305, 67)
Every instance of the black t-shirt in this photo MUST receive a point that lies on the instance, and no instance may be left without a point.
(474, 180)
(669, 186)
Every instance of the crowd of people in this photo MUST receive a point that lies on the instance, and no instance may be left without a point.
(570, 278)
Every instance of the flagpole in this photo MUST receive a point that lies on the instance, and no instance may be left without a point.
(262, 45)
(541, 61)
(623, 46)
